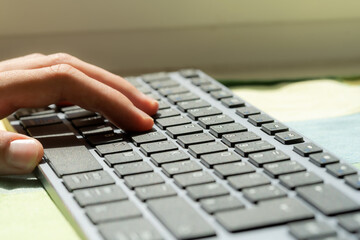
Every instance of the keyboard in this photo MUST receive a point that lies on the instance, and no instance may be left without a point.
(213, 166)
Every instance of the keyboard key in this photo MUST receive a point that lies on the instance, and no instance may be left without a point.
(170, 112)
(261, 193)
(49, 130)
(351, 222)
(206, 190)
(71, 159)
(173, 90)
(289, 137)
(163, 105)
(94, 130)
(56, 141)
(164, 123)
(240, 182)
(194, 114)
(281, 168)
(210, 160)
(113, 148)
(353, 181)
(144, 89)
(40, 120)
(25, 112)
(89, 121)
(220, 130)
(86, 180)
(267, 213)
(300, 179)
(206, 148)
(124, 157)
(156, 147)
(154, 96)
(154, 191)
(187, 225)
(70, 108)
(340, 169)
(187, 140)
(163, 84)
(232, 102)
(239, 137)
(105, 138)
(148, 137)
(259, 159)
(221, 94)
(207, 122)
(98, 195)
(182, 97)
(185, 106)
(126, 169)
(247, 111)
(230, 169)
(327, 199)
(194, 178)
(244, 149)
(222, 203)
(259, 119)
(305, 149)
(311, 230)
(167, 157)
(171, 169)
(176, 131)
(322, 159)
(79, 113)
(189, 73)
(197, 81)
(144, 179)
(137, 228)
(152, 77)
(210, 87)
(272, 128)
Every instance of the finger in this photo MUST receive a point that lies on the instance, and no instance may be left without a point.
(13, 64)
(19, 154)
(139, 99)
(43, 86)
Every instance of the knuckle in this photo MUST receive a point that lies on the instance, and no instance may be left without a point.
(61, 58)
(62, 69)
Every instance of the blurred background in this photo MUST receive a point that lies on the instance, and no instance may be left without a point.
(229, 39)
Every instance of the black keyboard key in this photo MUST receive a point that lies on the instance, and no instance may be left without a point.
(49, 130)
(289, 137)
(353, 181)
(70, 108)
(185, 106)
(311, 230)
(187, 225)
(230, 169)
(322, 159)
(262, 193)
(56, 141)
(154, 191)
(126, 169)
(138, 228)
(239, 137)
(232, 102)
(221, 94)
(267, 213)
(210, 87)
(156, 147)
(222, 129)
(40, 120)
(167, 157)
(244, 149)
(272, 128)
(173, 90)
(80, 113)
(203, 112)
(170, 112)
(206, 190)
(340, 169)
(96, 195)
(259, 159)
(206, 148)
(144, 179)
(182, 97)
(94, 130)
(164, 123)
(113, 148)
(193, 178)
(305, 149)
(247, 111)
(207, 122)
(222, 203)
(164, 84)
(89, 121)
(351, 222)
(171, 169)
(210, 160)
(176, 131)
(148, 137)
(69, 160)
(259, 119)
(86, 180)
(294, 180)
(281, 168)
(24, 112)
(105, 138)
(250, 180)
(187, 140)
(326, 198)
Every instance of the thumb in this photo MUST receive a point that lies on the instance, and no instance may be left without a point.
(19, 154)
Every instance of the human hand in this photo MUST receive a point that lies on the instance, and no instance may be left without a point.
(38, 80)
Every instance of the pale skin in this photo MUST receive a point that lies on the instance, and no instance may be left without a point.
(39, 80)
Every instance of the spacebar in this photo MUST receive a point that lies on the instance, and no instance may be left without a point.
(180, 218)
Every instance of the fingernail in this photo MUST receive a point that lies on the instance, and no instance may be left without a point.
(23, 153)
